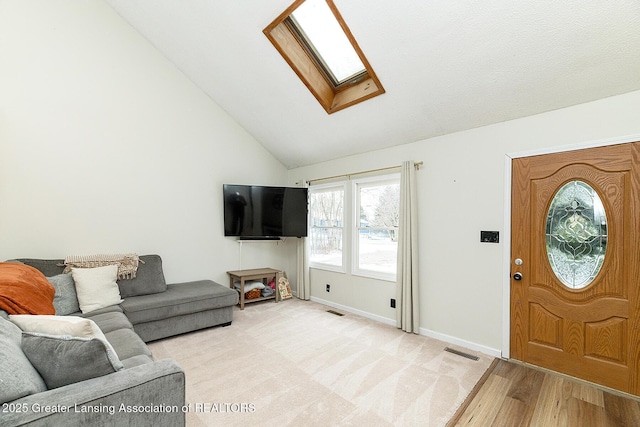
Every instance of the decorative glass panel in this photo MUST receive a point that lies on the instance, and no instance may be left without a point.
(576, 234)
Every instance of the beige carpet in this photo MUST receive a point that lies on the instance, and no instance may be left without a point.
(294, 364)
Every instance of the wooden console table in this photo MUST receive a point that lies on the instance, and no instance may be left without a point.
(264, 274)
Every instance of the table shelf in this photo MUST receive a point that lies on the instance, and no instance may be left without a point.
(243, 276)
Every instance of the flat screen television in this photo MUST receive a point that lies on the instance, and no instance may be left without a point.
(262, 212)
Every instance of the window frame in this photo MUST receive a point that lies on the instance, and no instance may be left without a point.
(303, 62)
(341, 185)
(301, 32)
(391, 178)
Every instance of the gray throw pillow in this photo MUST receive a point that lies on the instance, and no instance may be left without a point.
(149, 278)
(65, 301)
(63, 359)
(18, 378)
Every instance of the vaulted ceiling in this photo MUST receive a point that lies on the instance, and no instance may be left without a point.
(446, 65)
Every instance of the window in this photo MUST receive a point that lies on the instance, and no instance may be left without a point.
(377, 216)
(314, 39)
(326, 226)
(327, 43)
(354, 229)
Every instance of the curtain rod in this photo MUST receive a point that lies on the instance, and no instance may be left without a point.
(417, 165)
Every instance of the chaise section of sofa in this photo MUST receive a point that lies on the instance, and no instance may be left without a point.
(183, 307)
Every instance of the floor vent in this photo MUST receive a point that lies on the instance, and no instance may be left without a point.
(461, 353)
(335, 312)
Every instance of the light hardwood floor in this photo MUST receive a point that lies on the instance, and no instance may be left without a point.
(513, 394)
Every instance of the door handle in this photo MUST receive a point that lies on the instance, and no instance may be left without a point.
(517, 276)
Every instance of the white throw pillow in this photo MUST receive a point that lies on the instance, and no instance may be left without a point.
(57, 325)
(96, 287)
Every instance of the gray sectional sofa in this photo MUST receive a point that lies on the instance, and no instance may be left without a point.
(160, 310)
(140, 391)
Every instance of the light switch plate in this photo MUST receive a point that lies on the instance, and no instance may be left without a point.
(489, 236)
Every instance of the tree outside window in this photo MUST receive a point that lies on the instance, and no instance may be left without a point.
(376, 242)
(326, 223)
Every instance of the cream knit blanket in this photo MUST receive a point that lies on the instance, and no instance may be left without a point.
(127, 263)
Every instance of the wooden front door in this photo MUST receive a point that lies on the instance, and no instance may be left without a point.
(575, 305)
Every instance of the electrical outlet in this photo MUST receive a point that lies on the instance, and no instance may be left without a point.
(393, 303)
(328, 287)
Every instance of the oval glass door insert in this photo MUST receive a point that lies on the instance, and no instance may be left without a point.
(576, 234)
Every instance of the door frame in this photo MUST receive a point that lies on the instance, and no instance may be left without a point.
(506, 255)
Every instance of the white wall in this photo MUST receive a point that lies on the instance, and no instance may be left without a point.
(461, 192)
(106, 147)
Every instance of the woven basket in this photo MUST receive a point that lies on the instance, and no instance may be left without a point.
(252, 294)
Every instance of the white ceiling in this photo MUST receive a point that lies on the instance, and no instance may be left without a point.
(446, 65)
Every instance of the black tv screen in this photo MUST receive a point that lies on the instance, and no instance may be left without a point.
(259, 212)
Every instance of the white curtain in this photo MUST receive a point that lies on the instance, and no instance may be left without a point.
(303, 288)
(407, 298)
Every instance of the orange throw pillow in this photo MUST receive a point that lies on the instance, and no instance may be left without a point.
(25, 290)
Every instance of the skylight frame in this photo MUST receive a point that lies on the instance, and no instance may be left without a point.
(319, 59)
(299, 55)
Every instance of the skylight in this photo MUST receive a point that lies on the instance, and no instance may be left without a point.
(317, 24)
(314, 39)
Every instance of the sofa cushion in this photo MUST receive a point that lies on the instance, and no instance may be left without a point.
(96, 287)
(108, 322)
(65, 300)
(140, 359)
(179, 299)
(18, 377)
(149, 278)
(63, 360)
(66, 327)
(109, 309)
(127, 343)
(48, 267)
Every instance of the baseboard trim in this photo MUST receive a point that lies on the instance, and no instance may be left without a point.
(423, 331)
(348, 309)
(493, 352)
